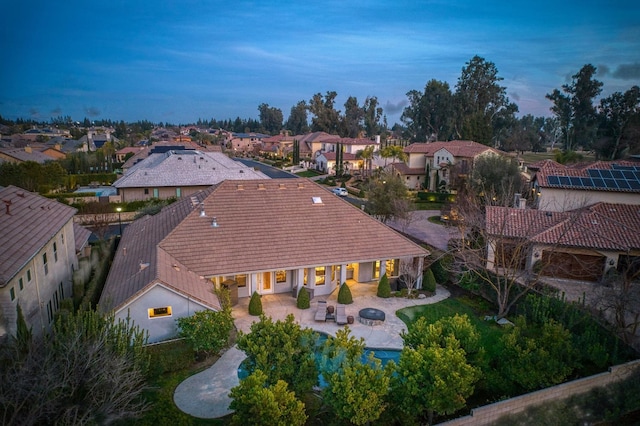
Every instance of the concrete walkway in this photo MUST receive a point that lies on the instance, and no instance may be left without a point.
(206, 394)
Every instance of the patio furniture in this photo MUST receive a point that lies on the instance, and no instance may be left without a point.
(321, 313)
(350, 319)
(341, 316)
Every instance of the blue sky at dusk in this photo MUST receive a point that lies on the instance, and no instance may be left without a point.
(177, 61)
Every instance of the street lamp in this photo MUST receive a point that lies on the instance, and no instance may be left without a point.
(119, 210)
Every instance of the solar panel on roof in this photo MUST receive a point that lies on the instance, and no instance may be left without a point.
(587, 181)
(575, 181)
(598, 183)
(620, 167)
(617, 174)
(634, 184)
(553, 180)
(623, 184)
(628, 174)
(606, 174)
(610, 184)
(594, 173)
(564, 180)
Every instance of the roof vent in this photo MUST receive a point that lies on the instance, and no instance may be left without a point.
(214, 222)
(261, 186)
(143, 265)
(282, 186)
(240, 187)
(202, 212)
(300, 185)
(241, 171)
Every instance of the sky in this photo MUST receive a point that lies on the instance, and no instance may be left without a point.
(178, 61)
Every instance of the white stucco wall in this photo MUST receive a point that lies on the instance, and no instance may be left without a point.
(161, 328)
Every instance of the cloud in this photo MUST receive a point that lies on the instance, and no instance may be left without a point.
(92, 111)
(603, 70)
(390, 108)
(56, 111)
(515, 96)
(627, 71)
(33, 112)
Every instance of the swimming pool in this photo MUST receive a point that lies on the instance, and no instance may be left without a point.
(101, 191)
(384, 355)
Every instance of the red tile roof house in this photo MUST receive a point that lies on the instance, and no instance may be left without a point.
(581, 244)
(271, 236)
(40, 245)
(560, 188)
(326, 162)
(436, 158)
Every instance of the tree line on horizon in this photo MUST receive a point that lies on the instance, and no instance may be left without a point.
(476, 109)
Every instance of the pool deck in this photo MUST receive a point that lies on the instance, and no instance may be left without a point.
(205, 395)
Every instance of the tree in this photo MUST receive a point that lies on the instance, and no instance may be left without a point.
(433, 378)
(207, 331)
(297, 122)
(429, 281)
(496, 179)
(255, 304)
(325, 117)
(344, 295)
(538, 361)
(574, 108)
(429, 115)
(270, 118)
(90, 370)
(353, 118)
(409, 273)
(283, 351)
(367, 155)
(356, 391)
(616, 112)
(381, 194)
(258, 403)
(372, 115)
(481, 103)
(393, 151)
(303, 301)
(384, 288)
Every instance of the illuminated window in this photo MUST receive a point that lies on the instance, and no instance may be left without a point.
(376, 269)
(159, 312)
(281, 276)
(304, 280)
(320, 273)
(241, 280)
(393, 267)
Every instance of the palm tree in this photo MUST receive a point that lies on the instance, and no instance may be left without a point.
(393, 151)
(367, 155)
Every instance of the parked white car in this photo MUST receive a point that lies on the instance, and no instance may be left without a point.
(342, 192)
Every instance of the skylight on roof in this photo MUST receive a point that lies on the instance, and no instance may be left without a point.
(316, 200)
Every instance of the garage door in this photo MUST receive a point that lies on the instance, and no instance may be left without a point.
(573, 266)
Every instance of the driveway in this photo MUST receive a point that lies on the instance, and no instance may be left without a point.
(419, 227)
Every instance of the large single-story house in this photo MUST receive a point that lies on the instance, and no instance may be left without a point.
(580, 244)
(40, 248)
(180, 173)
(428, 164)
(556, 187)
(268, 236)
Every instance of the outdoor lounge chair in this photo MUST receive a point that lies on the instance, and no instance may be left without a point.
(341, 316)
(321, 313)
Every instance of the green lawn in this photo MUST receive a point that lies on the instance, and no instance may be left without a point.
(474, 308)
(308, 173)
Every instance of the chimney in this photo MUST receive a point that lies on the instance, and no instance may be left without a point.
(27, 149)
(7, 204)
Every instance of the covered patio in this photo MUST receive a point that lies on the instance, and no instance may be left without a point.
(384, 336)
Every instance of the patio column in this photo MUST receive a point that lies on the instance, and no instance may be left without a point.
(343, 274)
(420, 266)
(383, 267)
(299, 279)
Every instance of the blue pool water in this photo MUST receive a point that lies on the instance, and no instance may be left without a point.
(101, 191)
(384, 355)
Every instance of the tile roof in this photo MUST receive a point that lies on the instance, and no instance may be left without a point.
(317, 137)
(22, 154)
(28, 221)
(273, 224)
(457, 148)
(139, 263)
(185, 168)
(331, 156)
(603, 226)
(81, 236)
(405, 170)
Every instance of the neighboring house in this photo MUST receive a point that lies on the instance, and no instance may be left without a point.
(326, 162)
(121, 154)
(179, 173)
(21, 155)
(157, 148)
(40, 246)
(245, 142)
(269, 236)
(352, 145)
(279, 145)
(556, 187)
(580, 244)
(314, 143)
(430, 164)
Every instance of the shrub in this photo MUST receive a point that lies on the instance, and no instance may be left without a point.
(384, 288)
(207, 331)
(255, 305)
(344, 295)
(439, 272)
(429, 281)
(303, 301)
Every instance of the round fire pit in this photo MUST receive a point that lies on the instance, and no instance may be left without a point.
(371, 316)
